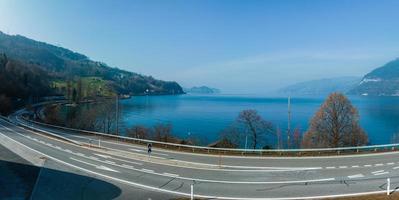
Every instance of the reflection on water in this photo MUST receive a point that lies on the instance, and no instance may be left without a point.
(206, 116)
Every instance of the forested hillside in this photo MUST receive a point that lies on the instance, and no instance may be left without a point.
(56, 65)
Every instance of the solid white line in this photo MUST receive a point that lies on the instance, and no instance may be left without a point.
(169, 174)
(147, 170)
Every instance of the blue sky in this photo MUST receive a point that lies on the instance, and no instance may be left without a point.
(238, 46)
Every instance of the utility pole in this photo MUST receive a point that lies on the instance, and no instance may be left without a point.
(117, 114)
(289, 123)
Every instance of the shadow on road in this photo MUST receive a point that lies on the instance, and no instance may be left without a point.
(25, 181)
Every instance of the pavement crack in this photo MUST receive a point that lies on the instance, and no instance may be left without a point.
(167, 183)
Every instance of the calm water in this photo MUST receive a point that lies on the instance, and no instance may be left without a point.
(205, 116)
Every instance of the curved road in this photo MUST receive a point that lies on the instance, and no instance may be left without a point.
(226, 177)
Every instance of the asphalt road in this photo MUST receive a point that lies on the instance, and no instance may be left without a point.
(224, 177)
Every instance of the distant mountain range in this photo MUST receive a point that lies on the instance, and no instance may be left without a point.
(29, 64)
(383, 81)
(201, 90)
(320, 87)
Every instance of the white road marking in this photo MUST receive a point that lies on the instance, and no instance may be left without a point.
(94, 158)
(101, 155)
(148, 170)
(137, 150)
(377, 174)
(391, 163)
(330, 167)
(182, 193)
(169, 174)
(110, 162)
(355, 166)
(94, 165)
(367, 165)
(379, 165)
(343, 167)
(396, 167)
(356, 176)
(106, 168)
(127, 166)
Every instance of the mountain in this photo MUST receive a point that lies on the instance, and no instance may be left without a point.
(202, 90)
(61, 65)
(320, 87)
(383, 81)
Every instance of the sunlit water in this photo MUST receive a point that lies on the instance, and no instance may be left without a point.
(206, 116)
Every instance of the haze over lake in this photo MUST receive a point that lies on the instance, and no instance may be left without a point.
(206, 116)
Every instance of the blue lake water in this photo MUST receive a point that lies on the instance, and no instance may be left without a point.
(206, 116)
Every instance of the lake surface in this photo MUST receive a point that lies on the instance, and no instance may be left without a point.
(206, 116)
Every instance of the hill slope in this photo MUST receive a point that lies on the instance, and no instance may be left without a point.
(320, 87)
(383, 81)
(62, 64)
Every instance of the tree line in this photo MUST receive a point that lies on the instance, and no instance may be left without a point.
(335, 124)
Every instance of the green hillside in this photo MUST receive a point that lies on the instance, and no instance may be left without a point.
(59, 65)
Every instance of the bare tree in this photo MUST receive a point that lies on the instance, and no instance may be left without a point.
(230, 137)
(163, 133)
(297, 138)
(336, 124)
(138, 131)
(253, 124)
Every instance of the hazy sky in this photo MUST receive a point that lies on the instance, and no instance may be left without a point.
(237, 46)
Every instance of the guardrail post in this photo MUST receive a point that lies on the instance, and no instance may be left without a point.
(192, 192)
(388, 186)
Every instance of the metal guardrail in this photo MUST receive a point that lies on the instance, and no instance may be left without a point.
(193, 148)
(48, 133)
